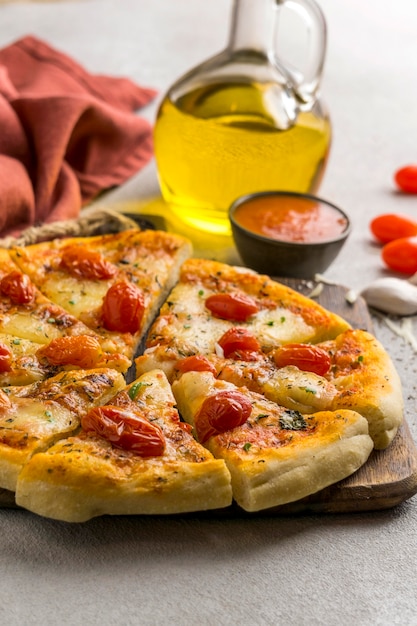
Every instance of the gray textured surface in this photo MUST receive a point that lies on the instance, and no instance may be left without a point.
(348, 569)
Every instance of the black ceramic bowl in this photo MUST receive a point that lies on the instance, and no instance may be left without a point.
(279, 257)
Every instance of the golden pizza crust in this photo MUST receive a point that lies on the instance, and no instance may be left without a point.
(85, 476)
(104, 481)
(367, 382)
(272, 464)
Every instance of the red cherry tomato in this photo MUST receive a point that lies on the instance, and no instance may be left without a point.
(391, 226)
(84, 263)
(220, 412)
(195, 363)
(239, 343)
(5, 358)
(81, 351)
(125, 429)
(304, 356)
(232, 306)
(123, 308)
(406, 178)
(401, 255)
(17, 287)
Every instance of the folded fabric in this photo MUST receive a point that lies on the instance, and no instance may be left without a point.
(65, 134)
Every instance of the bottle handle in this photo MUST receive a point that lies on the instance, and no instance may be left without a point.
(306, 79)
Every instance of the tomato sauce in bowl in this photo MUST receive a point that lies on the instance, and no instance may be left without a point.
(291, 218)
(287, 233)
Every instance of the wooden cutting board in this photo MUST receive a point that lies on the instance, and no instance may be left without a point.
(388, 478)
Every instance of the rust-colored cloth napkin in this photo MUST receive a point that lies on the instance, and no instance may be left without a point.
(65, 134)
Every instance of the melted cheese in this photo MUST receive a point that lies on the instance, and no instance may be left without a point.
(30, 327)
(19, 347)
(197, 329)
(38, 419)
(74, 295)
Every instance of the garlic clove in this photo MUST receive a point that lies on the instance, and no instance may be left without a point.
(392, 295)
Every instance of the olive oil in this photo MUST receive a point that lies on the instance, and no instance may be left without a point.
(221, 141)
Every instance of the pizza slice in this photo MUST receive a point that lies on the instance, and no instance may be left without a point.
(275, 455)
(211, 298)
(29, 322)
(33, 416)
(133, 456)
(113, 284)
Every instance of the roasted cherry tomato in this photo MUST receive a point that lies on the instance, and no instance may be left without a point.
(391, 226)
(5, 358)
(17, 287)
(239, 343)
(401, 255)
(195, 363)
(81, 350)
(406, 178)
(232, 306)
(304, 356)
(220, 412)
(84, 263)
(123, 308)
(126, 429)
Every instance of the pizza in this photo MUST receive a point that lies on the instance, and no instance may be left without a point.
(135, 379)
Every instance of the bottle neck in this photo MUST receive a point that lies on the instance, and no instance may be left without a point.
(253, 23)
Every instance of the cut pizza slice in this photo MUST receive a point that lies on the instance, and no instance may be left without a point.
(211, 298)
(33, 416)
(275, 455)
(114, 284)
(133, 456)
(29, 322)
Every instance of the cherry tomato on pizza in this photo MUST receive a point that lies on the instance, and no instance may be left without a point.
(406, 178)
(400, 255)
(220, 412)
(306, 357)
(5, 358)
(239, 343)
(232, 306)
(391, 226)
(17, 287)
(195, 363)
(84, 263)
(81, 350)
(126, 429)
(123, 308)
